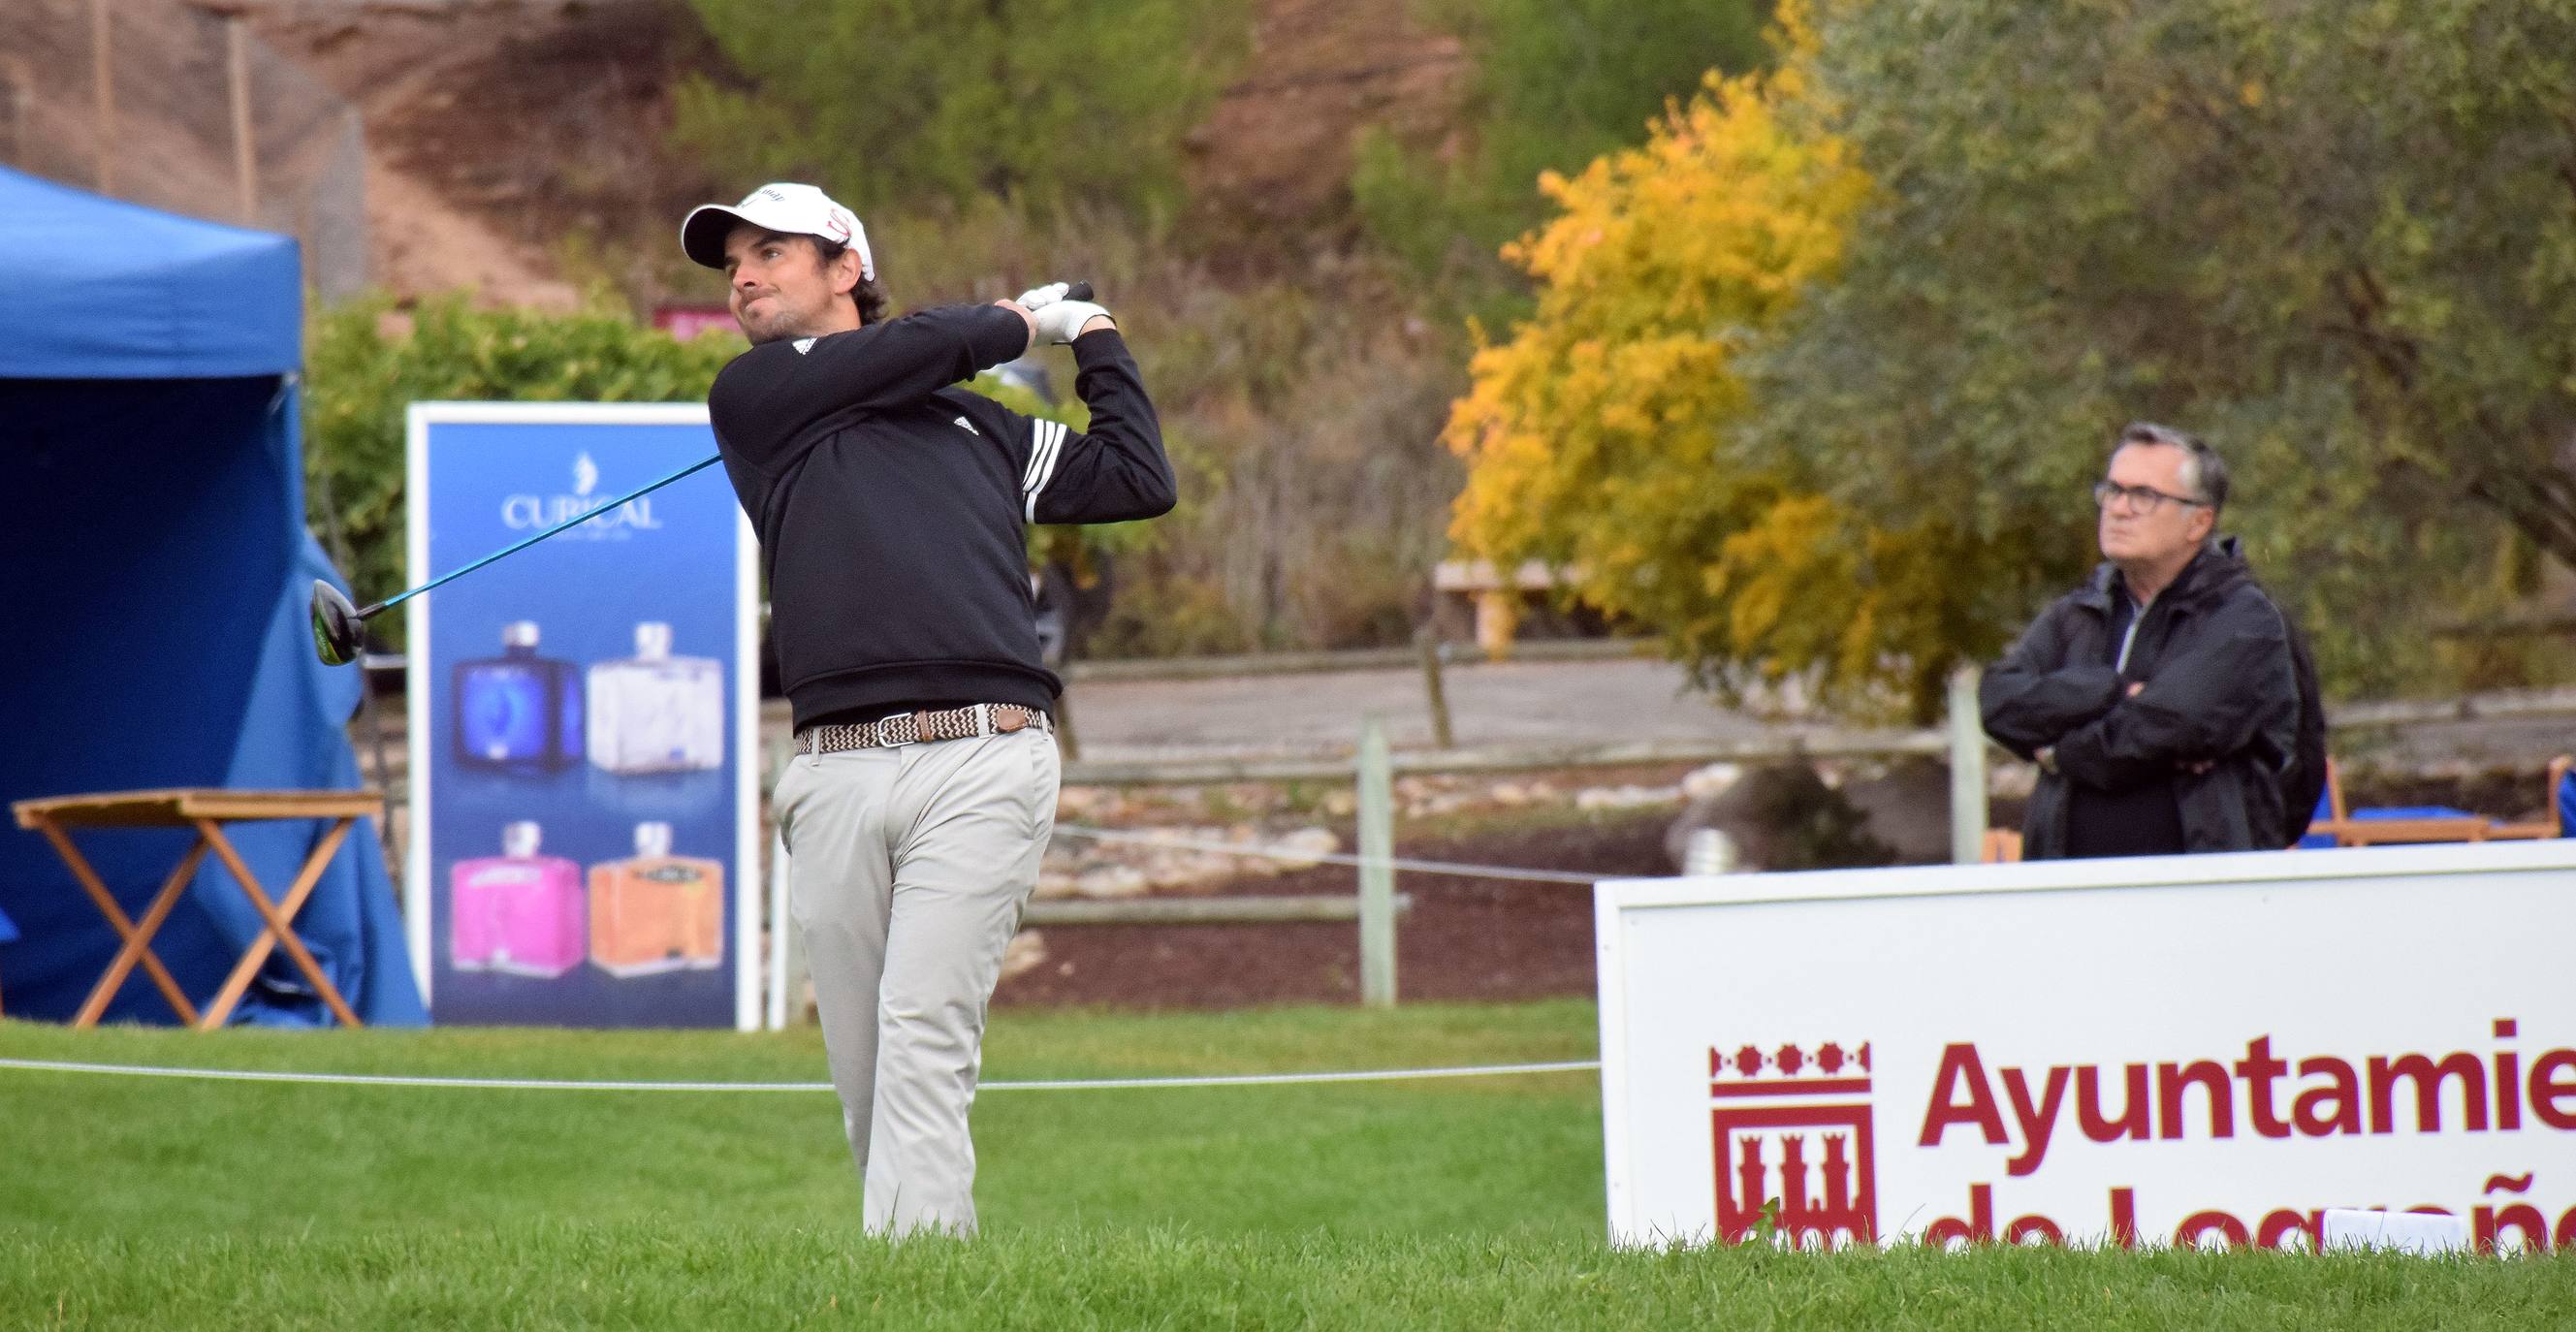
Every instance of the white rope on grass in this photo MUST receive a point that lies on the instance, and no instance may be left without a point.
(396, 1079)
(1260, 852)
(561, 1084)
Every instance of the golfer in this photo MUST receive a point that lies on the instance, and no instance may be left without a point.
(892, 509)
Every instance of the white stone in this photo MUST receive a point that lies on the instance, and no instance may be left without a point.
(1626, 797)
(1712, 781)
(1025, 953)
(1167, 872)
(1111, 881)
(1310, 842)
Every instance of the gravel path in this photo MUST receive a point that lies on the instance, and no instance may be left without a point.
(1489, 704)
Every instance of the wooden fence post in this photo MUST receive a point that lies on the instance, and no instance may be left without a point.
(102, 75)
(1967, 770)
(1377, 868)
(1427, 639)
(782, 939)
(1065, 742)
(245, 147)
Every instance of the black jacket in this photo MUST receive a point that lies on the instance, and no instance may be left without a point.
(892, 508)
(2214, 653)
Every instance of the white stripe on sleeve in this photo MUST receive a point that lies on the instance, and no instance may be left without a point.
(1042, 435)
(1042, 464)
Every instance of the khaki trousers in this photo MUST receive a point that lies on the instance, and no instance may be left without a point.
(910, 866)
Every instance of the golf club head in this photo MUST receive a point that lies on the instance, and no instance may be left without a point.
(338, 633)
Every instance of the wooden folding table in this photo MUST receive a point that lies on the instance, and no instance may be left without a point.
(206, 811)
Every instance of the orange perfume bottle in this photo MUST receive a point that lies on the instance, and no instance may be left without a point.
(656, 912)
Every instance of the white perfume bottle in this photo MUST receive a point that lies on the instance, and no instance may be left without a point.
(654, 712)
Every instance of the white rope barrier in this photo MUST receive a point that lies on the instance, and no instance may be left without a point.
(1261, 852)
(561, 1084)
(1254, 850)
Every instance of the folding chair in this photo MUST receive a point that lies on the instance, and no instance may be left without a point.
(2558, 801)
(2392, 824)
(2328, 816)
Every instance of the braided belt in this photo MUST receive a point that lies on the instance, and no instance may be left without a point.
(912, 728)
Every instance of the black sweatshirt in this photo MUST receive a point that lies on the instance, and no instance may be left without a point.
(892, 508)
(2221, 687)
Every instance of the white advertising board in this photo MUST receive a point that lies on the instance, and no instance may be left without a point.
(2176, 1050)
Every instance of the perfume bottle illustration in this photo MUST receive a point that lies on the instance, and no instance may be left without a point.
(518, 912)
(654, 712)
(517, 712)
(657, 912)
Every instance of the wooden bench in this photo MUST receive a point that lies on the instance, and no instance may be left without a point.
(2348, 830)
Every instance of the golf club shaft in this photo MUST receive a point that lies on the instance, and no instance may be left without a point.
(452, 575)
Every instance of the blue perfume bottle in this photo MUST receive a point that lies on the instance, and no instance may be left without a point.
(518, 712)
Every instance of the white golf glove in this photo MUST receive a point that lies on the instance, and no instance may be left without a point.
(1058, 320)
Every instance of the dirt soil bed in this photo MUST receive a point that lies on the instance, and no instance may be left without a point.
(1472, 938)
(1464, 938)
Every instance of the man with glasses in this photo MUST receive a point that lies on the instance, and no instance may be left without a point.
(2161, 699)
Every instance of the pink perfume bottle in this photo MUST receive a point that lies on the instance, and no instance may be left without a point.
(517, 912)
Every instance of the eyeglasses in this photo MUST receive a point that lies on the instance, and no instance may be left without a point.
(2143, 499)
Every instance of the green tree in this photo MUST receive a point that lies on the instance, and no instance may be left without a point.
(365, 363)
(1596, 435)
(901, 104)
(2337, 236)
(1557, 83)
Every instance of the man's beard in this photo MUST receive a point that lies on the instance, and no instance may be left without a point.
(780, 323)
(767, 330)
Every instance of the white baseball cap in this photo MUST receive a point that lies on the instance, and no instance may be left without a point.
(790, 210)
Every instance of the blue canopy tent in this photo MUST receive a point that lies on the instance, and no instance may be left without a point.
(155, 571)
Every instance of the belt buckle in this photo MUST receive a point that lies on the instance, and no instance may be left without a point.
(897, 731)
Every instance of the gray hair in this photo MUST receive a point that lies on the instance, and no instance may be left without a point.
(2203, 469)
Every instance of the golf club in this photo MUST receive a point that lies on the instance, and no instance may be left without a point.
(339, 627)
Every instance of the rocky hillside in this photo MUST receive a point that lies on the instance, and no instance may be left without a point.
(519, 145)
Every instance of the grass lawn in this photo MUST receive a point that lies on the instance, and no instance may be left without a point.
(132, 1202)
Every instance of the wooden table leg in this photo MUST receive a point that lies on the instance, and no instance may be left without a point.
(280, 931)
(137, 936)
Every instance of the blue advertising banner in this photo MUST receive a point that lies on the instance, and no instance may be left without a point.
(584, 811)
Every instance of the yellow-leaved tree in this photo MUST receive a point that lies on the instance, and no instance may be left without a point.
(1596, 436)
